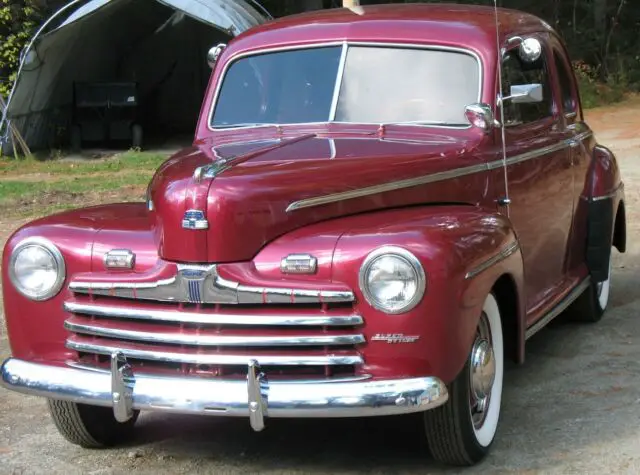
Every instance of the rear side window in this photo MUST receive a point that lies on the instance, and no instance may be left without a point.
(566, 86)
(517, 72)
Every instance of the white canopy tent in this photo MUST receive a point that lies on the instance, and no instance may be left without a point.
(159, 44)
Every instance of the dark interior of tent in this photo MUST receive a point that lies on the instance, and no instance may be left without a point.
(158, 51)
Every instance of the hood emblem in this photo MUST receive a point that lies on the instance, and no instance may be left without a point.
(194, 219)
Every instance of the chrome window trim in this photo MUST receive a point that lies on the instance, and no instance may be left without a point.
(200, 340)
(411, 259)
(434, 177)
(53, 250)
(212, 358)
(502, 255)
(243, 319)
(343, 58)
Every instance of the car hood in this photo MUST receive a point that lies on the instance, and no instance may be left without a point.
(250, 192)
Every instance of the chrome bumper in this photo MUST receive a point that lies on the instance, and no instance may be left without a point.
(255, 398)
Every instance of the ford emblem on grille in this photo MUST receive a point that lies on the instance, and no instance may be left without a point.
(194, 278)
(194, 219)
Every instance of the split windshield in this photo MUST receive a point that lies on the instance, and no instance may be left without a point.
(376, 84)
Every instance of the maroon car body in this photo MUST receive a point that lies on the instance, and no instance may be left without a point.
(533, 228)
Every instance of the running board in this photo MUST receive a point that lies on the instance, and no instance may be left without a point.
(559, 308)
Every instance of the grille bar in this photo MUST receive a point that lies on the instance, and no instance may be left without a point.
(130, 351)
(176, 316)
(202, 284)
(211, 340)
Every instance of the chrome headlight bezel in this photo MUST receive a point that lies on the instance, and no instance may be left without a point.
(58, 259)
(409, 258)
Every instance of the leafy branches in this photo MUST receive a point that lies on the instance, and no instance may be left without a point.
(18, 20)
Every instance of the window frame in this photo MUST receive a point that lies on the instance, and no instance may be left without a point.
(551, 78)
(561, 56)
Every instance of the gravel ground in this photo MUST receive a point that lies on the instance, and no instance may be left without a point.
(573, 407)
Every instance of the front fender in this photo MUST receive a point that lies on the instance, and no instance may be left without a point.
(464, 251)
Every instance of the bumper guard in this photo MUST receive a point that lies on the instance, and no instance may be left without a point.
(255, 397)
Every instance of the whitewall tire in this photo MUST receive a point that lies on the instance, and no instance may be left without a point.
(462, 431)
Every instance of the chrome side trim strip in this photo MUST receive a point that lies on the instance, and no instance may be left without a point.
(111, 311)
(559, 308)
(502, 255)
(224, 397)
(165, 338)
(385, 187)
(433, 178)
(130, 351)
(202, 284)
(609, 195)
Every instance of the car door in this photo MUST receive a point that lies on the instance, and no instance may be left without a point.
(578, 135)
(539, 177)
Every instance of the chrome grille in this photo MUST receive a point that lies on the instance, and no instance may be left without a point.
(320, 340)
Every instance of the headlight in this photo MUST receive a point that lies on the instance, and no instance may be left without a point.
(392, 280)
(36, 269)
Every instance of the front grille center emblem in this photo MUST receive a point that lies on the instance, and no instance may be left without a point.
(194, 279)
(194, 219)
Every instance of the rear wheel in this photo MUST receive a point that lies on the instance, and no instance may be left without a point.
(593, 302)
(90, 426)
(462, 431)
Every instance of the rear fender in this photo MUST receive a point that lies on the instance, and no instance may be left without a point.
(606, 224)
(464, 250)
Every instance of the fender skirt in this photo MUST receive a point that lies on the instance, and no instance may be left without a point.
(599, 238)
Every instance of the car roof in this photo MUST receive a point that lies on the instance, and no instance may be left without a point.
(471, 26)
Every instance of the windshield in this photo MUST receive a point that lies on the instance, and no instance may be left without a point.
(378, 85)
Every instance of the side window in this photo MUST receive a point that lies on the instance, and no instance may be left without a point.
(566, 88)
(517, 72)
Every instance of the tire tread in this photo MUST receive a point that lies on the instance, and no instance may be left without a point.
(67, 419)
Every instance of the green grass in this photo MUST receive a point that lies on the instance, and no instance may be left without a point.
(128, 161)
(30, 187)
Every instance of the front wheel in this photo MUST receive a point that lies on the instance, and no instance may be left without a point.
(461, 431)
(90, 426)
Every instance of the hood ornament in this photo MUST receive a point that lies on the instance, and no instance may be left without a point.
(194, 219)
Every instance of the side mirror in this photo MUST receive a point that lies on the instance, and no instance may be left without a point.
(481, 116)
(525, 94)
(214, 53)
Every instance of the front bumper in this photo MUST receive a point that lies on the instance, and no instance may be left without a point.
(256, 398)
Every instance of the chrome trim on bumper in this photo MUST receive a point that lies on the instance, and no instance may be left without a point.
(202, 284)
(178, 316)
(130, 351)
(223, 397)
(211, 340)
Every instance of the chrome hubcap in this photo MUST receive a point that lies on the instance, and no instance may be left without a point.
(482, 374)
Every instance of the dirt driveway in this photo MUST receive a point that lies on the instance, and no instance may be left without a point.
(573, 407)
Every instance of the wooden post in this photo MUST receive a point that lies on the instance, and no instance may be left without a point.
(350, 3)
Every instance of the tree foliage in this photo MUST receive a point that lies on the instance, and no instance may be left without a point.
(601, 34)
(18, 20)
